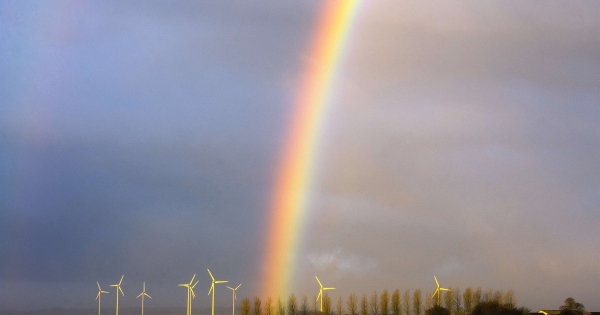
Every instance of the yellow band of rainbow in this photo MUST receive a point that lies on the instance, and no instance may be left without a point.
(297, 158)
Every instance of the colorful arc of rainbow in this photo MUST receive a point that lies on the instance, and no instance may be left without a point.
(297, 160)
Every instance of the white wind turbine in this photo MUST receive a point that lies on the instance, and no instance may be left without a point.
(98, 296)
(321, 292)
(190, 294)
(212, 289)
(118, 285)
(438, 290)
(142, 295)
(233, 298)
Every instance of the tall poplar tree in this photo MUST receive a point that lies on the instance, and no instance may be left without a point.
(257, 306)
(352, 304)
(406, 301)
(292, 305)
(245, 308)
(384, 304)
(468, 300)
(374, 304)
(396, 306)
(417, 302)
(364, 305)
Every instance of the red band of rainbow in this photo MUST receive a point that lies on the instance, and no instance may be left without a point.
(297, 159)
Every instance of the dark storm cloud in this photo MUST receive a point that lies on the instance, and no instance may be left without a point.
(139, 138)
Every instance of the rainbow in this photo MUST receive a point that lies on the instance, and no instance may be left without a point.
(297, 158)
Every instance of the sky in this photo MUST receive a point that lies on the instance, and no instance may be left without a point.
(143, 138)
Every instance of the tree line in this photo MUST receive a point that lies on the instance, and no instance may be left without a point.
(452, 303)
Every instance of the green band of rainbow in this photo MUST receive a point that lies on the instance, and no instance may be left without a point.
(297, 159)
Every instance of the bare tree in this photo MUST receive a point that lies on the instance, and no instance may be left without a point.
(269, 306)
(257, 306)
(448, 297)
(374, 305)
(280, 306)
(326, 304)
(245, 308)
(304, 306)
(384, 303)
(468, 300)
(340, 306)
(457, 303)
(477, 296)
(352, 304)
(364, 305)
(406, 301)
(396, 307)
(292, 305)
(509, 298)
(417, 302)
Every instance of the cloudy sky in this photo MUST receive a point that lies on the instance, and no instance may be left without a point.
(143, 138)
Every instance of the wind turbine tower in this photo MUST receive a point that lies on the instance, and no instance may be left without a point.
(212, 289)
(98, 296)
(438, 290)
(233, 298)
(118, 285)
(321, 292)
(142, 295)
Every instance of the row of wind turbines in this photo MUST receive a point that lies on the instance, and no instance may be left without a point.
(191, 295)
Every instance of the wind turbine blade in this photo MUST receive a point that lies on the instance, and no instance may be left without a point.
(221, 281)
(146, 294)
(211, 288)
(184, 285)
(97, 296)
(98, 286)
(121, 291)
(444, 289)
(213, 278)
(436, 291)
(436, 282)
(104, 292)
(139, 295)
(195, 284)
(318, 296)
(193, 279)
(238, 286)
(114, 285)
(144, 287)
(230, 288)
(328, 288)
(121, 279)
(192, 291)
(319, 281)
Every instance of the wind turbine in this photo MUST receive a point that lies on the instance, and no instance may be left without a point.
(234, 298)
(190, 294)
(212, 288)
(321, 292)
(98, 296)
(142, 295)
(438, 290)
(118, 285)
